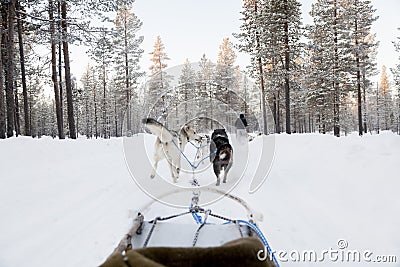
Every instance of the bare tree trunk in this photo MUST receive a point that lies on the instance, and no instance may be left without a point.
(2, 104)
(104, 102)
(377, 108)
(27, 130)
(87, 115)
(274, 112)
(287, 70)
(17, 118)
(10, 70)
(68, 84)
(261, 74)
(359, 100)
(364, 104)
(127, 86)
(115, 117)
(60, 80)
(336, 94)
(95, 108)
(60, 127)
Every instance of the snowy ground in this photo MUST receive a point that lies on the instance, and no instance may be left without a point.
(68, 203)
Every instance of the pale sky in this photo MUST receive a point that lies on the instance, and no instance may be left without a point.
(189, 28)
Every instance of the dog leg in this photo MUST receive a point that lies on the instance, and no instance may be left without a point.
(174, 172)
(217, 172)
(225, 174)
(176, 177)
(226, 170)
(158, 155)
(153, 172)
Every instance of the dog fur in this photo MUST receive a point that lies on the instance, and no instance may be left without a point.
(166, 145)
(203, 146)
(222, 157)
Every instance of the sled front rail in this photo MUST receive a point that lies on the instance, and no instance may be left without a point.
(170, 234)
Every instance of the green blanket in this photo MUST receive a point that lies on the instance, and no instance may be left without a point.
(240, 252)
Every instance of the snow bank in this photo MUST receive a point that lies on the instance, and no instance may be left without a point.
(67, 203)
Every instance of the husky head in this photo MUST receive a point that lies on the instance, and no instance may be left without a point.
(190, 133)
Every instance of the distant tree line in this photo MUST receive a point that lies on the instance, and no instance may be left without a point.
(31, 27)
(323, 84)
(313, 78)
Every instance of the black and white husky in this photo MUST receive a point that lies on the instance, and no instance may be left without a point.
(169, 145)
(222, 154)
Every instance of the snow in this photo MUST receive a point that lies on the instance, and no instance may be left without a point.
(68, 203)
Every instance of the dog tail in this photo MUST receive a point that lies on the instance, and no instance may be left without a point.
(158, 129)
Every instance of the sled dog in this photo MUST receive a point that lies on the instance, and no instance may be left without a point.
(169, 145)
(222, 154)
(203, 146)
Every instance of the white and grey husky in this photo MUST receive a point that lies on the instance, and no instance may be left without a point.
(169, 145)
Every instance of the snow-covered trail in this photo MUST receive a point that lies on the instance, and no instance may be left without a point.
(67, 203)
(59, 197)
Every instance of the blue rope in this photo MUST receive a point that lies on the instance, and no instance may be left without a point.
(253, 226)
(194, 166)
(262, 237)
(198, 147)
(196, 216)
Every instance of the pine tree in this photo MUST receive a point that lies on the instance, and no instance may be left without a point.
(206, 72)
(90, 101)
(67, 70)
(361, 19)
(224, 71)
(27, 130)
(282, 33)
(386, 101)
(102, 51)
(225, 77)
(250, 42)
(330, 55)
(54, 76)
(2, 103)
(158, 93)
(271, 33)
(206, 79)
(186, 90)
(368, 69)
(9, 69)
(396, 77)
(128, 53)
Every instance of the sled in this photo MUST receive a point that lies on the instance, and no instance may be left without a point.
(195, 237)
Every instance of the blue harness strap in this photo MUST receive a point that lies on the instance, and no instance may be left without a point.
(194, 166)
(254, 227)
(263, 239)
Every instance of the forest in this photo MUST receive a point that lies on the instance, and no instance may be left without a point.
(301, 78)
